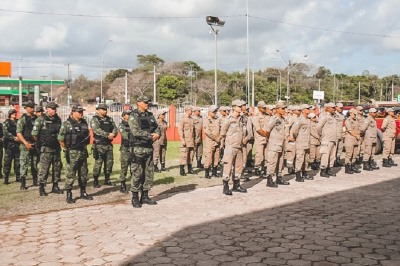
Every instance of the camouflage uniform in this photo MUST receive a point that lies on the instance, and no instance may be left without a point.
(11, 150)
(125, 151)
(102, 147)
(45, 130)
(28, 158)
(1, 150)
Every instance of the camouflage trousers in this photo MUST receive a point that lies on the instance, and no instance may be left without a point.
(28, 159)
(126, 158)
(49, 157)
(77, 166)
(1, 159)
(103, 154)
(142, 169)
(12, 153)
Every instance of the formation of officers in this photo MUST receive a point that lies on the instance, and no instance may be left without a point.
(295, 137)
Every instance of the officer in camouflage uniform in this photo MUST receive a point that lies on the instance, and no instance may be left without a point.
(11, 146)
(74, 137)
(1, 150)
(29, 154)
(45, 131)
(145, 131)
(125, 149)
(104, 131)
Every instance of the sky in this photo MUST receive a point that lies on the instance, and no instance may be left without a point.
(41, 37)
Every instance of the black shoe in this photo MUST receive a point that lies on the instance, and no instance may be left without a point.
(237, 187)
(23, 184)
(338, 163)
(85, 195)
(146, 200)
(367, 166)
(323, 173)
(354, 169)
(348, 169)
(291, 170)
(182, 170)
(385, 163)
(270, 182)
(257, 171)
(207, 173)
(374, 165)
(299, 178)
(156, 170)
(199, 164)
(280, 181)
(226, 189)
(329, 172)
(215, 172)
(163, 167)
(190, 169)
(55, 189)
(123, 187)
(18, 179)
(305, 176)
(70, 199)
(5, 181)
(135, 200)
(96, 182)
(391, 162)
(314, 166)
(42, 191)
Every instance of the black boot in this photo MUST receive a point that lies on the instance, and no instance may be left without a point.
(146, 199)
(257, 171)
(324, 173)
(385, 163)
(314, 166)
(123, 187)
(207, 173)
(190, 169)
(237, 187)
(70, 199)
(373, 164)
(85, 195)
(329, 172)
(17, 178)
(163, 167)
(96, 182)
(107, 181)
(305, 176)
(280, 181)
(156, 170)
(5, 181)
(199, 164)
(348, 170)
(35, 181)
(226, 189)
(366, 166)
(23, 184)
(354, 169)
(338, 162)
(299, 178)
(215, 172)
(55, 189)
(182, 170)
(391, 162)
(135, 200)
(42, 191)
(270, 182)
(290, 170)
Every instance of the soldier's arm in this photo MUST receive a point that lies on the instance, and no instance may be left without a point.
(136, 131)
(7, 134)
(320, 125)
(20, 129)
(95, 125)
(62, 133)
(208, 132)
(225, 127)
(37, 127)
(123, 132)
(180, 130)
(269, 127)
(384, 125)
(294, 131)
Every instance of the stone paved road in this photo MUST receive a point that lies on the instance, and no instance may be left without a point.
(344, 220)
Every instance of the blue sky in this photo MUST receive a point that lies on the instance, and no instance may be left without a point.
(344, 36)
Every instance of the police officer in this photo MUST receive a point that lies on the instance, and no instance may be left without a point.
(212, 141)
(1, 149)
(145, 131)
(361, 146)
(187, 136)
(248, 135)
(370, 141)
(160, 145)
(276, 137)
(290, 146)
(250, 138)
(11, 146)
(389, 133)
(39, 111)
(232, 131)
(315, 143)
(259, 122)
(327, 129)
(125, 149)
(74, 136)
(29, 155)
(339, 123)
(104, 131)
(45, 132)
(352, 141)
(198, 135)
(223, 113)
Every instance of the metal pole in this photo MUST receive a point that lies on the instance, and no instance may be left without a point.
(248, 53)
(20, 87)
(126, 87)
(280, 84)
(215, 70)
(51, 77)
(319, 89)
(359, 92)
(102, 66)
(334, 87)
(288, 84)
(392, 88)
(252, 86)
(191, 82)
(380, 97)
(154, 84)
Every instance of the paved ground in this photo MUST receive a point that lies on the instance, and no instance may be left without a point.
(344, 220)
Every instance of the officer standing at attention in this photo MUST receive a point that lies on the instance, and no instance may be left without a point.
(290, 146)
(247, 136)
(125, 149)
(352, 141)
(29, 155)
(74, 136)
(45, 132)
(198, 135)
(145, 131)
(232, 131)
(160, 145)
(11, 146)
(1, 150)
(327, 129)
(260, 120)
(315, 143)
(370, 141)
(389, 133)
(339, 142)
(361, 146)
(187, 135)
(104, 131)
(211, 148)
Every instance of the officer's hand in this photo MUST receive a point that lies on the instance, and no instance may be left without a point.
(29, 146)
(244, 141)
(183, 143)
(291, 139)
(16, 139)
(155, 137)
(111, 136)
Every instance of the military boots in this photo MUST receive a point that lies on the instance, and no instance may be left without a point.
(146, 200)
(215, 172)
(156, 170)
(55, 189)
(280, 181)
(107, 181)
(135, 200)
(23, 184)
(367, 166)
(348, 169)
(5, 181)
(324, 173)
(354, 168)
(123, 187)
(182, 170)
(226, 189)
(190, 169)
(237, 187)
(299, 178)
(373, 164)
(305, 176)
(391, 162)
(270, 182)
(85, 195)
(163, 167)
(207, 173)
(199, 164)
(42, 191)
(70, 199)
(385, 163)
(96, 182)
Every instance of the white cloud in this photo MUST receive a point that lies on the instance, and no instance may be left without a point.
(52, 37)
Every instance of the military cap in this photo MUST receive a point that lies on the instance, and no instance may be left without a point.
(261, 104)
(372, 110)
(389, 110)
(102, 106)
(353, 110)
(237, 103)
(29, 104)
(290, 107)
(244, 102)
(312, 107)
(270, 106)
(188, 107)
(329, 105)
(39, 108)
(77, 108)
(51, 105)
(11, 111)
(280, 104)
(196, 108)
(340, 105)
(359, 108)
(143, 98)
(161, 112)
(126, 112)
(213, 108)
(305, 106)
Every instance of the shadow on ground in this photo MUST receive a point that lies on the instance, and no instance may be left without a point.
(358, 227)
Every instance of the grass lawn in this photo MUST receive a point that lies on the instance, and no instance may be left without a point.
(15, 202)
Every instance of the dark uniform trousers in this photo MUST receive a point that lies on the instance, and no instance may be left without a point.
(142, 169)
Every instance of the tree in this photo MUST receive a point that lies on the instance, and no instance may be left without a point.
(114, 74)
(147, 61)
(170, 87)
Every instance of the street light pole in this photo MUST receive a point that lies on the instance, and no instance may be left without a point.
(51, 77)
(102, 66)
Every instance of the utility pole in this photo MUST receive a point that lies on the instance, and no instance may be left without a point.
(126, 87)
